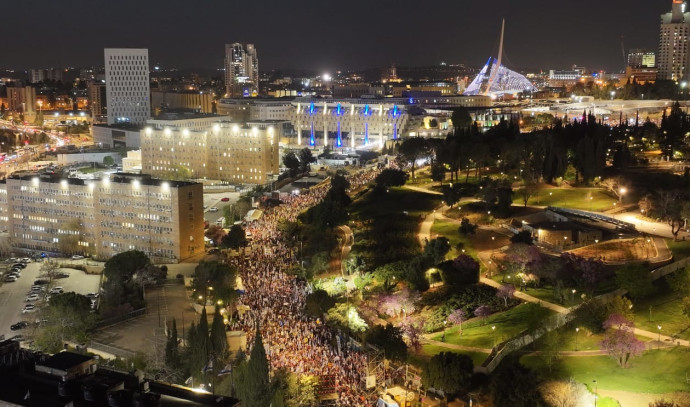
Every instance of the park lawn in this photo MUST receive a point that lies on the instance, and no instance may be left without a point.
(679, 248)
(510, 323)
(429, 350)
(667, 311)
(396, 200)
(574, 198)
(655, 371)
(449, 229)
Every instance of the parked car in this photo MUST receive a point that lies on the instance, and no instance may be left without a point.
(10, 279)
(19, 325)
(40, 281)
(32, 297)
(213, 209)
(28, 308)
(56, 290)
(61, 275)
(77, 257)
(19, 265)
(25, 260)
(225, 199)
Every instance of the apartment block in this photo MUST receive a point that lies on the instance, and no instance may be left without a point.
(163, 219)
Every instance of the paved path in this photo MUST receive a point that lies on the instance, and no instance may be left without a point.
(424, 190)
(456, 347)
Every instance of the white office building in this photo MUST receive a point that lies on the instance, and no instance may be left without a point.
(127, 85)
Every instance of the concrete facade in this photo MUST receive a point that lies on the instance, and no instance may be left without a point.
(163, 219)
(127, 85)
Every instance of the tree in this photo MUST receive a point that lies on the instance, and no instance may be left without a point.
(457, 317)
(120, 287)
(672, 206)
(291, 162)
(390, 339)
(564, 393)
(296, 390)
(218, 343)
(636, 279)
(254, 386)
(438, 172)
(108, 161)
(451, 194)
(460, 118)
(506, 292)
(436, 249)
(466, 228)
(66, 318)
(68, 243)
(483, 312)
(679, 281)
(448, 371)
(617, 186)
(515, 385)
(235, 238)
(305, 159)
(318, 303)
(523, 236)
(215, 233)
(620, 341)
(462, 270)
(391, 177)
(172, 352)
(215, 281)
(552, 343)
(413, 149)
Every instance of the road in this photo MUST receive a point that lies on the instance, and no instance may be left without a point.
(214, 200)
(12, 295)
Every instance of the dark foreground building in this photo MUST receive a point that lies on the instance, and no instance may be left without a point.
(70, 379)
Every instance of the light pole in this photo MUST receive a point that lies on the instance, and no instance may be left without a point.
(658, 327)
(493, 336)
(622, 192)
(595, 392)
(443, 337)
(577, 332)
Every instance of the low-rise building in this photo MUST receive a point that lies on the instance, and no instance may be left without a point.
(47, 213)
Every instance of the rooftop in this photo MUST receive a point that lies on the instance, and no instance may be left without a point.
(119, 178)
(65, 360)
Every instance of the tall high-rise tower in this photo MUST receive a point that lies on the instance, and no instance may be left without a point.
(127, 87)
(674, 55)
(241, 70)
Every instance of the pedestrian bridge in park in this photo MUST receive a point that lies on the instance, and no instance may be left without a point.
(620, 224)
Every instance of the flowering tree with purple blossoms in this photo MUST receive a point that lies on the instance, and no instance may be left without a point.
(620, 341)
(505, 292)
(399, 303)
(412, 333)
(457, 317)
(483, 311)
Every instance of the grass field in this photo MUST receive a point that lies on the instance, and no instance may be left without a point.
(508, 324)
(680, 248)
(656, 371)
(575, 198)
(667, 311)
(449, 229)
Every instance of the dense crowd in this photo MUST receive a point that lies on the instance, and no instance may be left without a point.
(294, 341)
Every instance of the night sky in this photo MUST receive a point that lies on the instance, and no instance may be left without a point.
(324, 35)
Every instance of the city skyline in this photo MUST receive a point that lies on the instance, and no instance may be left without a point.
(306, 34)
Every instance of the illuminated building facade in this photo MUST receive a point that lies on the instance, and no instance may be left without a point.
(127, 85)
(674, 55)
(348, 122)
(163, 219)
(241, 70)
(245, 153)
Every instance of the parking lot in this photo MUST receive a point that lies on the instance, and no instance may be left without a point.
(214, 199)
(13, 294)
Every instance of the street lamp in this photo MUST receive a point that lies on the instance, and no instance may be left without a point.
(577, 331)
(622, 192)
(658, 327)
(493, 335)
(595, 392)
(443, 337)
